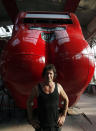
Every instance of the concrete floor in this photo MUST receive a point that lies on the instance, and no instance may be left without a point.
(86, 104)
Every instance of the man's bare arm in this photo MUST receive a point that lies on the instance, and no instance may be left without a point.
(66, 100)
(63, 95)
(30, 103)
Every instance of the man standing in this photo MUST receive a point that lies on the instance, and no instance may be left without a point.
(47, 94)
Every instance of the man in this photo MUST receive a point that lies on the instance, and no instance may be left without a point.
(47, 94)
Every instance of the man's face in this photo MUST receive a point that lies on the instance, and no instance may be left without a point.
(49, 76)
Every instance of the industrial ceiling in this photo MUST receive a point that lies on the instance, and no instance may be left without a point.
(84, 9)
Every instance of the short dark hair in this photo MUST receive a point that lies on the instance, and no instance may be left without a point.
(47, 68)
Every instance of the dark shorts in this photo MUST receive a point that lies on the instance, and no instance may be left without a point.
(49, 129)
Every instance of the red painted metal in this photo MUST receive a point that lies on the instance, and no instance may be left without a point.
(33, 45)
(11, 8)
(71, 5)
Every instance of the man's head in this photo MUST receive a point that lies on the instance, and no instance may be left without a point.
(49, 72)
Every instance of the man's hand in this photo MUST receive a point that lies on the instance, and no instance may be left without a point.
(61, 120)
(35, 124)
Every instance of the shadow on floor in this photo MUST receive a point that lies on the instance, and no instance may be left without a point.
(11, 117)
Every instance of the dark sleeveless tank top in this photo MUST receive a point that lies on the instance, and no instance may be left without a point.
(48, 107)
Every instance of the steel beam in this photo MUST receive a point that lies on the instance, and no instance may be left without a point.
(71, 5)
(92, 29)
(11, 8)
